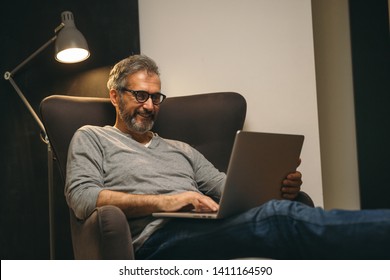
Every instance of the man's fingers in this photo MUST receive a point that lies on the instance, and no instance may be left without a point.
(204, 203)
(290, 189)
(292, 183)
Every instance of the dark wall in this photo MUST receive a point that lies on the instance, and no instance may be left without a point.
(112, 31)
(371, 76)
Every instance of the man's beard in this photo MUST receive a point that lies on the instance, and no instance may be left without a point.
(132, 124)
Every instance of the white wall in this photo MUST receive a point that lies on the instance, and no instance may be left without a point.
(336, 104)
(262, 49)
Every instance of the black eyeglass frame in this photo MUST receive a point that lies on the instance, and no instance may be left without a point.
(157, 98)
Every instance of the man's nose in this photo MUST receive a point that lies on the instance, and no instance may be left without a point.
(148, 104)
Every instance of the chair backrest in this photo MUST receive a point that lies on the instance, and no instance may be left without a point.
(62, 115)
(208, 122)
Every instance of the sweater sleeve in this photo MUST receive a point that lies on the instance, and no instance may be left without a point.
(209, 179)
(84, 179)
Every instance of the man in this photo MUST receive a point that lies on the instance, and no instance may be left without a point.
(129, 166)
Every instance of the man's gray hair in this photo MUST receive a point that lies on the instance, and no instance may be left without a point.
(128, 66)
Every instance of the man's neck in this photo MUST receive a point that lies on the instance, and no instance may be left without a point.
(142, 138)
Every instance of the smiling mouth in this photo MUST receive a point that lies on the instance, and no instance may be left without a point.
(146, 115)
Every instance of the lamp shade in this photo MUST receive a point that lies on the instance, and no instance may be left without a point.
(70, 46)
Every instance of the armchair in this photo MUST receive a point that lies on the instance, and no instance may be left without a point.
(105, 234)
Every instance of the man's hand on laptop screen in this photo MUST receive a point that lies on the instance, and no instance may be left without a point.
(291, 186)
(187, 201)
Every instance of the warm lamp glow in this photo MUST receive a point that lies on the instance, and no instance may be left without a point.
(72, 55)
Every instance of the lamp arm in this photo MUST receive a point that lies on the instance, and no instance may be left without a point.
(35, 116)
(9, 76)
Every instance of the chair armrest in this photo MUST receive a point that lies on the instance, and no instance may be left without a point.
(304, 198)
(105, 234)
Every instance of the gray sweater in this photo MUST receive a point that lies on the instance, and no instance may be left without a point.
(105, 158)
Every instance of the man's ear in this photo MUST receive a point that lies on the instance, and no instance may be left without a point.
(114, 97)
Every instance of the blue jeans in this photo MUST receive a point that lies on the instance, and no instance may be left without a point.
(277, 230)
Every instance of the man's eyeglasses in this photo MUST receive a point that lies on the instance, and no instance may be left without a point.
(142, 96)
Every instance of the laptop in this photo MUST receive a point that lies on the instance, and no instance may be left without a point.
(258, 164)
